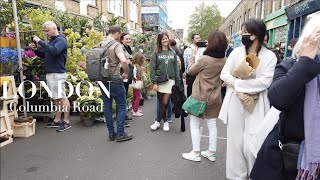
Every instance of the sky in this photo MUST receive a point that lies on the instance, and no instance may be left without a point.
(179, 11)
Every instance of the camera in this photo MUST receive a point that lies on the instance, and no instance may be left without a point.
(202, 44)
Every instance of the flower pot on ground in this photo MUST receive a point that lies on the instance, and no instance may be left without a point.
(90, 107)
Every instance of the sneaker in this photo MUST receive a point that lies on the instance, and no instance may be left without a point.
(129, 118)
(127, 124)
(64, 126)
(155, 125)
(207, 154)
(124, 137)
(137, 111)
(137, 114)
(53, 124)
(169, 120)
(166, 126)
(192, 156)
(112, 137)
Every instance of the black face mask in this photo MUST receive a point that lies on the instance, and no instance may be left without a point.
(246, 41)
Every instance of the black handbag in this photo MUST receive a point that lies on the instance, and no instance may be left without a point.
(290, 154)
(162, 78)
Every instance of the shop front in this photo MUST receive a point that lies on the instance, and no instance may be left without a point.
(277, 27)
(298, 14)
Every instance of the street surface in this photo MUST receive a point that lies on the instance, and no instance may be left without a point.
(84, 153)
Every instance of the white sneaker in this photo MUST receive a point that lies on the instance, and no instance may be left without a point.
(207, 154)
(137, 114)
(166, 126)
(137, 111)
(155, 125)
(192, 156)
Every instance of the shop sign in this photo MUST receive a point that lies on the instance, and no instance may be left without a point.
(303, 8)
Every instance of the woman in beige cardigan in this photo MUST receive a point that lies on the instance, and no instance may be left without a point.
(207, 70)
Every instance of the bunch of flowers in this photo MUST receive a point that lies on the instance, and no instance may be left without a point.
(8, 60)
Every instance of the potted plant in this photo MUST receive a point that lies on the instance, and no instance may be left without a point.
(91, 109)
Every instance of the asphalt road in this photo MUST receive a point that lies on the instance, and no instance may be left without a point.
(84, 153)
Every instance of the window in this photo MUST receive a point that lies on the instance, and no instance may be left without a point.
(115, 7)
(282, 3)
(240, 22)
(256, 10)
(237, 25)
(133, 11)
(262, 9)
(249, 14)
(273, 5)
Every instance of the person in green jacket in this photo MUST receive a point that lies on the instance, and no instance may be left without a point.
(163, 64)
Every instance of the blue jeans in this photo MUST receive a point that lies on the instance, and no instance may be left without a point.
(118, 93)
(169, 110)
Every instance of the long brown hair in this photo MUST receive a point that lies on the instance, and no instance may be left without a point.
(159, 44)
(138, 60)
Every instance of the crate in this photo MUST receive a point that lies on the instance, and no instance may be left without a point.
(25, 129)
(11, 88)
(5, 125)
(5, 140)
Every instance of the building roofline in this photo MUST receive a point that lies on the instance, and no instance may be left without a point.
(232, 11)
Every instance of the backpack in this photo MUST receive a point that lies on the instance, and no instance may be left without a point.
(96, 59)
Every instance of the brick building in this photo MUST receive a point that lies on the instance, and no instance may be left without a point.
(284, 19)
(128, 10)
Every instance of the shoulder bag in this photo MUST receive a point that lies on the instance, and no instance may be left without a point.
(196, 107)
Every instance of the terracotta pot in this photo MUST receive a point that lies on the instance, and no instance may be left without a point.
(4, 42)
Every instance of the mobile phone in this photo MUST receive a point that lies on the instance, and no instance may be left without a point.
(201, 44)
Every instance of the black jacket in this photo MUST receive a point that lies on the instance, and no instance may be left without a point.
(287, 93)
(178, 98)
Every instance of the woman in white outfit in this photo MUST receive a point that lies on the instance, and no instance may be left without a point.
(242, 123)
(207, 85)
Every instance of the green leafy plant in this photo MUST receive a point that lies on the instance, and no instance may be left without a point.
(90, 101)
(6, 14)
(99, 24)
(91, 38)
(74, 58)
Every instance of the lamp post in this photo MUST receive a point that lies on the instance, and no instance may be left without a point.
(59, 5)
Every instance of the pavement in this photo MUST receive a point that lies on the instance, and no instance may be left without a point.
(84, 153)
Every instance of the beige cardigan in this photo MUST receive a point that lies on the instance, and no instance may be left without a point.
(207, 70)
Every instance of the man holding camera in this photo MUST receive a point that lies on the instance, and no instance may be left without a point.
(55, 55)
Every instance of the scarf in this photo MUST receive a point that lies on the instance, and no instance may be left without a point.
(309, 154)
(128, 49)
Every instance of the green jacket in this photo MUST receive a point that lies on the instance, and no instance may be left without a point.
(158, 65)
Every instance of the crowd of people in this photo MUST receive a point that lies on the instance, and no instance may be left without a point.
(255, 79)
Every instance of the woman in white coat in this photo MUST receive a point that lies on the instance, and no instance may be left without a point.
(242, 122)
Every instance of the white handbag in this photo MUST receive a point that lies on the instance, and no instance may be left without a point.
(137, 84)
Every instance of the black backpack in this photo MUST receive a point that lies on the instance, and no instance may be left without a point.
(95, 62)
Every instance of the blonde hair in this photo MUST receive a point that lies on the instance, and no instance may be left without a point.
(312, 27)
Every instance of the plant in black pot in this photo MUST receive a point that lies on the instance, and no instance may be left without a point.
(91, 109)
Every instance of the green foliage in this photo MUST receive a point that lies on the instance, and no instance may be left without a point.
(113, 21)
(6, 13)
(90, 101)
(99, 24)
(75, 57)
(63, 19)
(144, 43)
(204, 19)
(91, 38)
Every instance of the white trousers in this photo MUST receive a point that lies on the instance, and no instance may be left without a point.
(239, 158)
(195, 133)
